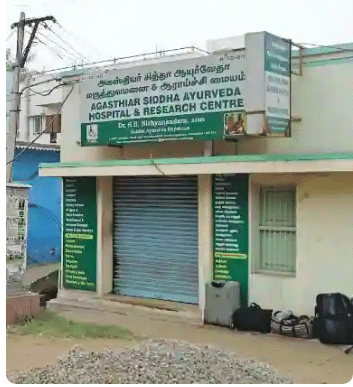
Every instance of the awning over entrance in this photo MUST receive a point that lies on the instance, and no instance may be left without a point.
(289, 163)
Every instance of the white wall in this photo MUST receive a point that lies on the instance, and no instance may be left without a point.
(322, 98)
(31, 105)
(105, 235)
(205, 235)
(324, 242)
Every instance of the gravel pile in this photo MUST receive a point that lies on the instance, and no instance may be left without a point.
(154, 361)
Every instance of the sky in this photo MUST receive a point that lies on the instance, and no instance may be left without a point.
(96, 30)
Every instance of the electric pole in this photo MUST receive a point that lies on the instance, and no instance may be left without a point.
(21, 58)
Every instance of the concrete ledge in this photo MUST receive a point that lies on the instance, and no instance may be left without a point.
(83, 299)
(155, 309)
(147, 302)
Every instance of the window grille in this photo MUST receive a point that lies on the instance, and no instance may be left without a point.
(277, 229)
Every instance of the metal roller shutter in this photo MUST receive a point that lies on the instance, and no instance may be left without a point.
(156, 237)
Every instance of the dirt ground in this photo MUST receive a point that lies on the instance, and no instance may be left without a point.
(302, 361)
(26, 352)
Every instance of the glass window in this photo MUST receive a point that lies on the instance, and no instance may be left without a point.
(35, 124)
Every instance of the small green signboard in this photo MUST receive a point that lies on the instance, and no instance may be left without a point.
(230, 230)
(277, 55)
(206, 126)
(79, 233)
(277, 84)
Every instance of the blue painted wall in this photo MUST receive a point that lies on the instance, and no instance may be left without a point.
(44, 202)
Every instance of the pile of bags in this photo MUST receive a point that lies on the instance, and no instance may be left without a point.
(333, 321)
(286, 323)
(256, 319)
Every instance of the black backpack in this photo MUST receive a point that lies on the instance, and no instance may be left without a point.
(333, 321)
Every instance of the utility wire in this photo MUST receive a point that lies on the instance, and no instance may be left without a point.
(25, 96)
(70, 34)
(29, 87)
(155, 165)
(52, 49)
(114, 60)
(36, 138)
(13, 31)
(49, 92)
(75, 56)
(34, 84)
(45, 44)
(40, 83)
(72, 48)
(165, 51)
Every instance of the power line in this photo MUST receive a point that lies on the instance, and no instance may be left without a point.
(166, 51)
(28, 87)
(51, 48)
(35, 84)
(45, 44)
(13, 31)
(49, 92)
(25, 96)
(40, 134)
(114, 60)
(75, 37)
(74, 49)
(75, 56)
(40, 83)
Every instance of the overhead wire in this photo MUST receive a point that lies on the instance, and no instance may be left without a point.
(54, 51)
(75, 56)
(52, 48)
(114, 60)
(70, 34)
(29, 87)
(13, 31)
(34, 84)
(49, 92)
(165, 51)
(65, 42)
(47, 45)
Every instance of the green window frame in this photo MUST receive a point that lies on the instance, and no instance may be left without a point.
(277, 230)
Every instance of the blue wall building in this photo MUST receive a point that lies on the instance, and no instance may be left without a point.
(44, 205)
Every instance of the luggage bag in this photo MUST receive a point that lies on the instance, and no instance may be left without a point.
(222, 300)
(333, 321)
(253, 318)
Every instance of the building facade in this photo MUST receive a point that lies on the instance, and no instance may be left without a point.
(160, 219)
(36, 143)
